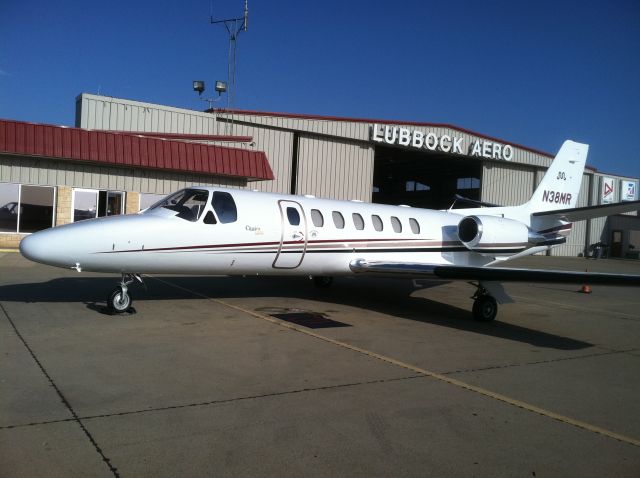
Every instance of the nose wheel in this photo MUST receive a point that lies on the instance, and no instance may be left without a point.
(119, 299)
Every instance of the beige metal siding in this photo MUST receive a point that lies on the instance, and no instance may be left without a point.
(335, 169)
(59, 173)
(102, 112)
(507, 185)
(360, 131)
(278, 146)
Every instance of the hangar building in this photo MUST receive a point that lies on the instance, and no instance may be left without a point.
(417, 164)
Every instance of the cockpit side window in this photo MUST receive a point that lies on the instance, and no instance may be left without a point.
(209, 218)
(188, 203)
(225, 207)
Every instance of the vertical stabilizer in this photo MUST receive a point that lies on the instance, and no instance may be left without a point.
(560, 185)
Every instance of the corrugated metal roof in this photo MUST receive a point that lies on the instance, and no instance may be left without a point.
(128, 149)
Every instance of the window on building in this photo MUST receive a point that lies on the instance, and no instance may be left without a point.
(9, 198)
(92, 203)
(358, 221)
(396, 224)
(415, 227)
(416, 186)
(110, 203)
(317, 218)
(26, 208)
(225, 207)
(85, 204)
(377, 222)
(468, 183)
(293, 216)
(338, 220)
(148, 200)
(36, 208)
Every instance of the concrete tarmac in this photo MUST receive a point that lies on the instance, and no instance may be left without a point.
(371, 377)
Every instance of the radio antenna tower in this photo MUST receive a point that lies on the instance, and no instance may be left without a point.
(234, 27)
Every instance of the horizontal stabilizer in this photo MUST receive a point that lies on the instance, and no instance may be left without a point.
(589, 212)
(497, 274)
(475, 202)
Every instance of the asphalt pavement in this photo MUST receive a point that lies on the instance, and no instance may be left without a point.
(217, 376)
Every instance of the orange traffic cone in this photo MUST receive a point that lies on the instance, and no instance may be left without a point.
(585, 289)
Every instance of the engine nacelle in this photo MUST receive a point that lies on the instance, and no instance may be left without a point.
(496, 235)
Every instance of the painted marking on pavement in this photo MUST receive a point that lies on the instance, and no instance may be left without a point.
(437, 376)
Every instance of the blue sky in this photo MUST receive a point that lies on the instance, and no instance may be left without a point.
(534, 73)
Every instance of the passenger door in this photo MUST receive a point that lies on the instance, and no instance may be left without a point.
(293, 239)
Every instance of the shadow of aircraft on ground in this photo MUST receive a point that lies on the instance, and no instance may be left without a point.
(390, 297)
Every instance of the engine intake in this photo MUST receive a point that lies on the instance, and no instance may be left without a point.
(495, 235)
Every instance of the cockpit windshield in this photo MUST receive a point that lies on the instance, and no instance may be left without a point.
(188, 203)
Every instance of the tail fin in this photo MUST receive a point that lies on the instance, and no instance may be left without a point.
(560, 185)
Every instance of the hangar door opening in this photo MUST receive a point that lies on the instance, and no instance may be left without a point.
(421, 179)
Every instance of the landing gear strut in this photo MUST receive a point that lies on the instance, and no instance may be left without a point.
(119, 299)
(485, 307)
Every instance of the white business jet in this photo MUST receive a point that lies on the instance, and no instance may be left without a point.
(211, 230)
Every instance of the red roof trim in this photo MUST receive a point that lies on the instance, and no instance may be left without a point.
(377, 121)
(127, 149)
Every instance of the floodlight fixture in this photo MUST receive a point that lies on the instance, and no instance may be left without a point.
(199, 86)
(221, 87)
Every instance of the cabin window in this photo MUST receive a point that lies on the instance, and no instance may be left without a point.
(358, 221)
(415, 227)
(396, 224)
(225, 207)
(377, 222)
(338, 220)
(293, 216)
(316, 217)
(188, 203)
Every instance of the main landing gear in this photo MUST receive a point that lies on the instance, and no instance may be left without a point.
(119, 299)
(485, 307)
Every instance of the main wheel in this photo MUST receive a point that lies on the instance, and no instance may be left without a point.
(485, 308)
(119, 301)
(322, 281)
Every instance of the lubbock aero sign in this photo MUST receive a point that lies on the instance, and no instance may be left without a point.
(399, 136)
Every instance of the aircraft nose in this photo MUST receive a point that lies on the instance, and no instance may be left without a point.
(43, 247)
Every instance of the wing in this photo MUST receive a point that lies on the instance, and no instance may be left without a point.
(489, 274)
(589, 212)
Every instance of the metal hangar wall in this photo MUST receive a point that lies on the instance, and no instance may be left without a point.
(419, 164)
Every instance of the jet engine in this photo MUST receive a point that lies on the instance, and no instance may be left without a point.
(493, 234)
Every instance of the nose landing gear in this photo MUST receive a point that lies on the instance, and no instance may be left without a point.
(119, 299)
